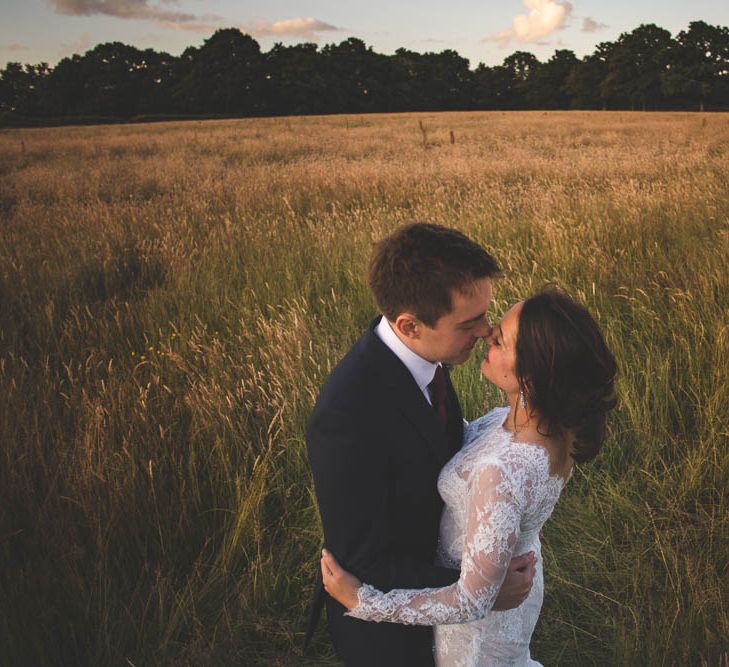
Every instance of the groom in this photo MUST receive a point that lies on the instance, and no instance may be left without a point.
(386, 422)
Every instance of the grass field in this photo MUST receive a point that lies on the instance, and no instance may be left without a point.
(173, 295)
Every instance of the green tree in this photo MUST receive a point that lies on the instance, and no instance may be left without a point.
(353, 80)
(63, 91)
(493, 87)
(293, 79)
(520, 66)
(584, 83)
(635, 68)
(19, 87)
(447, 80)
(112, 79)
(111, 85)
(699, 67)
(230, 75)
(157, 77)
(546, 87)
(223, 76)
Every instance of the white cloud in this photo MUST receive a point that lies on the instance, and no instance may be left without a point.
(203, 26)
(167, 17)
(14, 47)
(501, 38)
(81, 45)
(590, 25)
(132, 9)
(544, 17)
(299, 27)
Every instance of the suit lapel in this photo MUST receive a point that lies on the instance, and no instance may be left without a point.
(422, 416)
(406, 396)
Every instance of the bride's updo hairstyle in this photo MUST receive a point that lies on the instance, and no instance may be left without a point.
(565, 370)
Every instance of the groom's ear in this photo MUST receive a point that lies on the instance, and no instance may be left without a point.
(408, 325)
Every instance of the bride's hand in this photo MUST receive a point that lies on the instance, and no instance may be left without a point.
(339, 583)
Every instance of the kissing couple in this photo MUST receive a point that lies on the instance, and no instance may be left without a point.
(431, 524)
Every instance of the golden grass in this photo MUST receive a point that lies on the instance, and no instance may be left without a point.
(172, 296)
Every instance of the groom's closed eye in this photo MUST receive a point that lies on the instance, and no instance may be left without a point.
(479, 320)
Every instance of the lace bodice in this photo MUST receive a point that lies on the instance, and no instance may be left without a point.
(498, 493)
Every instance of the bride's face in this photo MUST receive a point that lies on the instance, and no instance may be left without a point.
(499, 364)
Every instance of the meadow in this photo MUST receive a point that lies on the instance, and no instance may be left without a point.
(173, 295)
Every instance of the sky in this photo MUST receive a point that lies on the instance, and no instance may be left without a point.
(34, 31)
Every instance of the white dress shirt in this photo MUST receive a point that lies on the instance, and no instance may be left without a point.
(421, 369)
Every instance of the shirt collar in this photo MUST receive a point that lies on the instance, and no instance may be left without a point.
(421, 369)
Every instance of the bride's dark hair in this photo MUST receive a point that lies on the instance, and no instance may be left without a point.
(565, 370)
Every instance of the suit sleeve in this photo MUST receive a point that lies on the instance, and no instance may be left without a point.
(354, 488)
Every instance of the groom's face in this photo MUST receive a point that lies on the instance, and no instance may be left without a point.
(454, 335)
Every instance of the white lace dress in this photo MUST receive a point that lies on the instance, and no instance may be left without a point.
(498, 493)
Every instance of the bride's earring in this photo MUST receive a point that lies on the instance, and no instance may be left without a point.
(522, 400)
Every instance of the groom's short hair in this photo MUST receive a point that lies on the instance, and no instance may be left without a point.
(418, 267)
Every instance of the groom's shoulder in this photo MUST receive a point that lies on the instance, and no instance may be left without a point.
(355, 384)
(352, 375)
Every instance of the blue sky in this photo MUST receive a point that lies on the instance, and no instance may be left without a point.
(32, 31)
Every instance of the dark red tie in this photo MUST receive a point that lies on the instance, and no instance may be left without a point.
(438, 388)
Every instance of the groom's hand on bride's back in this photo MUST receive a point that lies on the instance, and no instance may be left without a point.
(518, 582)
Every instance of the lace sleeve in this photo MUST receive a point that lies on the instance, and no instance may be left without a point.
(492, 530)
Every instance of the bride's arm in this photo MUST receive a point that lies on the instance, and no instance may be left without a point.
(494, 512)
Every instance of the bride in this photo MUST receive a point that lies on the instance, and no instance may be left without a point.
(549, 357)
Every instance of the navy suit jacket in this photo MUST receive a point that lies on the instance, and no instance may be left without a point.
(376, 447)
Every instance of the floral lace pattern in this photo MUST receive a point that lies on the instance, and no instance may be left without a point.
(498, 493)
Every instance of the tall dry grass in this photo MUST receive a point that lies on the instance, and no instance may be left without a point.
(173, 295)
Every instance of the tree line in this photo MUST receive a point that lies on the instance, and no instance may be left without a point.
(229, 75)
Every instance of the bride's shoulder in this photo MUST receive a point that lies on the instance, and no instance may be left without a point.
(486, 423)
